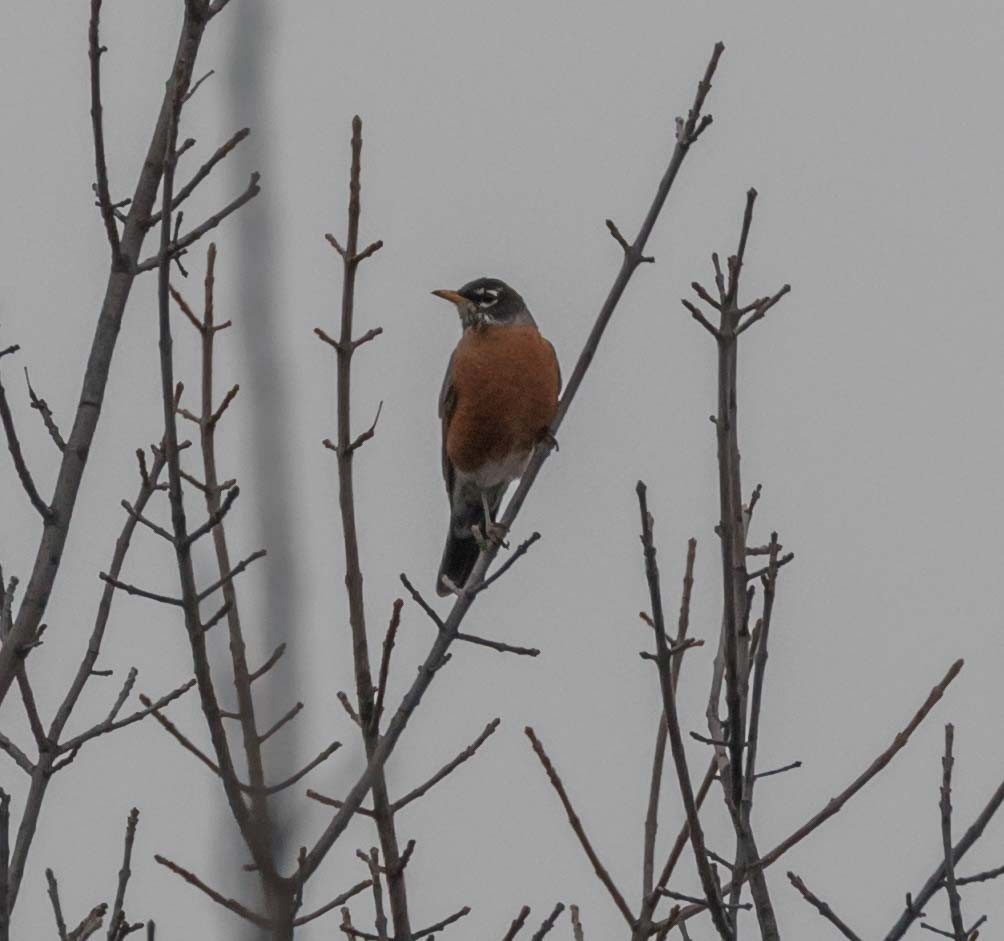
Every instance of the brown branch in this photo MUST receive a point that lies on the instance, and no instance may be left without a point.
(334, 903)
(981, 876)
(289, 716)
(576, 823)
(232, 574)
(118, 916)
(268, 664)
(232, 904)
(216, 517)
(177, 247)
(95, 51)
(548, 922)
(219, 154)
(835, 804)
(324, 755)
(57, 909)
(517, 924)
(384, 674)
(576, 924)
(708, 883)
(24, 475)
(139, 592)
(954, 902)
(110, 724)
(521, 550)
(822, 908)
(4, 865)
(449, 767)
(332, 802)
(42, 407)
(21, 759)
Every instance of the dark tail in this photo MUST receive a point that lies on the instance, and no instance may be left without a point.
(459, 557)
(462, 550)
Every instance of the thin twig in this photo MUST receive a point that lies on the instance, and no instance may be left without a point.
(450, 766)
(576, 823)
(232, 904)
(821, 907)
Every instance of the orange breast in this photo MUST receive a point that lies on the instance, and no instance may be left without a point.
(506, 382)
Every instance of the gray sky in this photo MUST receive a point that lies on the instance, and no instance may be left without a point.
(497, 139)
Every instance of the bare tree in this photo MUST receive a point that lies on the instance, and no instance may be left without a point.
(200, 500)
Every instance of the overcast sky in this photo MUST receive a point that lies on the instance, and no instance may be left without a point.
(498, 137)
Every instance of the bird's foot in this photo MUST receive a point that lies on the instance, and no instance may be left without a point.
(548, 439)
(495, 535)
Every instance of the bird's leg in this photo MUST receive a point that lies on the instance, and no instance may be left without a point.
(493, 533)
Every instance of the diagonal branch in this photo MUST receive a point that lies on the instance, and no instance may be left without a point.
(14, 446)
(821, 907)
(449, 767)
(573, 819)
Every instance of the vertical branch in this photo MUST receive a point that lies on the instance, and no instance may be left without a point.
(4, 865)
(255, 840)
(346, 449)
(260, 817)
(733, 660)
(655, 787)
(954, 902)
(708, 882)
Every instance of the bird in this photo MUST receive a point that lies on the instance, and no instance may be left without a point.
(498, 400)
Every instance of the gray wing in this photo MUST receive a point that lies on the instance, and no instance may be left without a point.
(447, 404)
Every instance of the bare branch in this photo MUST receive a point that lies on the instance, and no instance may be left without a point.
(176, 247)
(220, 154)
(509, 563)
(384, 675)
(95, 51)
(57, 909)
(450, 766)
(822, 907)
(216, 517)
(518, 922)
(268, 664)
(334, 903)
(548, 923)
(42, 407)
(14, 446)
(139, 592)
(290, 715)
(708, 883)
(954, 902)
(576, 823)
(14, 752)
(111, 724)
(232, 574)
(232, 904)
(124, 873)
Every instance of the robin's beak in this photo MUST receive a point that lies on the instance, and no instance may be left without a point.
(453, 296)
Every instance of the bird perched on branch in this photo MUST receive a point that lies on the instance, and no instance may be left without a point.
(498, 400)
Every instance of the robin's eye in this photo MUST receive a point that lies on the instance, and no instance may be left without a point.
(487, 298)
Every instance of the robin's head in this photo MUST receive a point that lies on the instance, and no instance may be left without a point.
(487, 301)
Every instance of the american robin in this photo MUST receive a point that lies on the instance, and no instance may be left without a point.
(498, 400)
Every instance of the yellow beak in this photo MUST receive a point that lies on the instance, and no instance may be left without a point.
(453, 296)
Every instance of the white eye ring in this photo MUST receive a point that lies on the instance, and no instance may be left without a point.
(488, 298)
